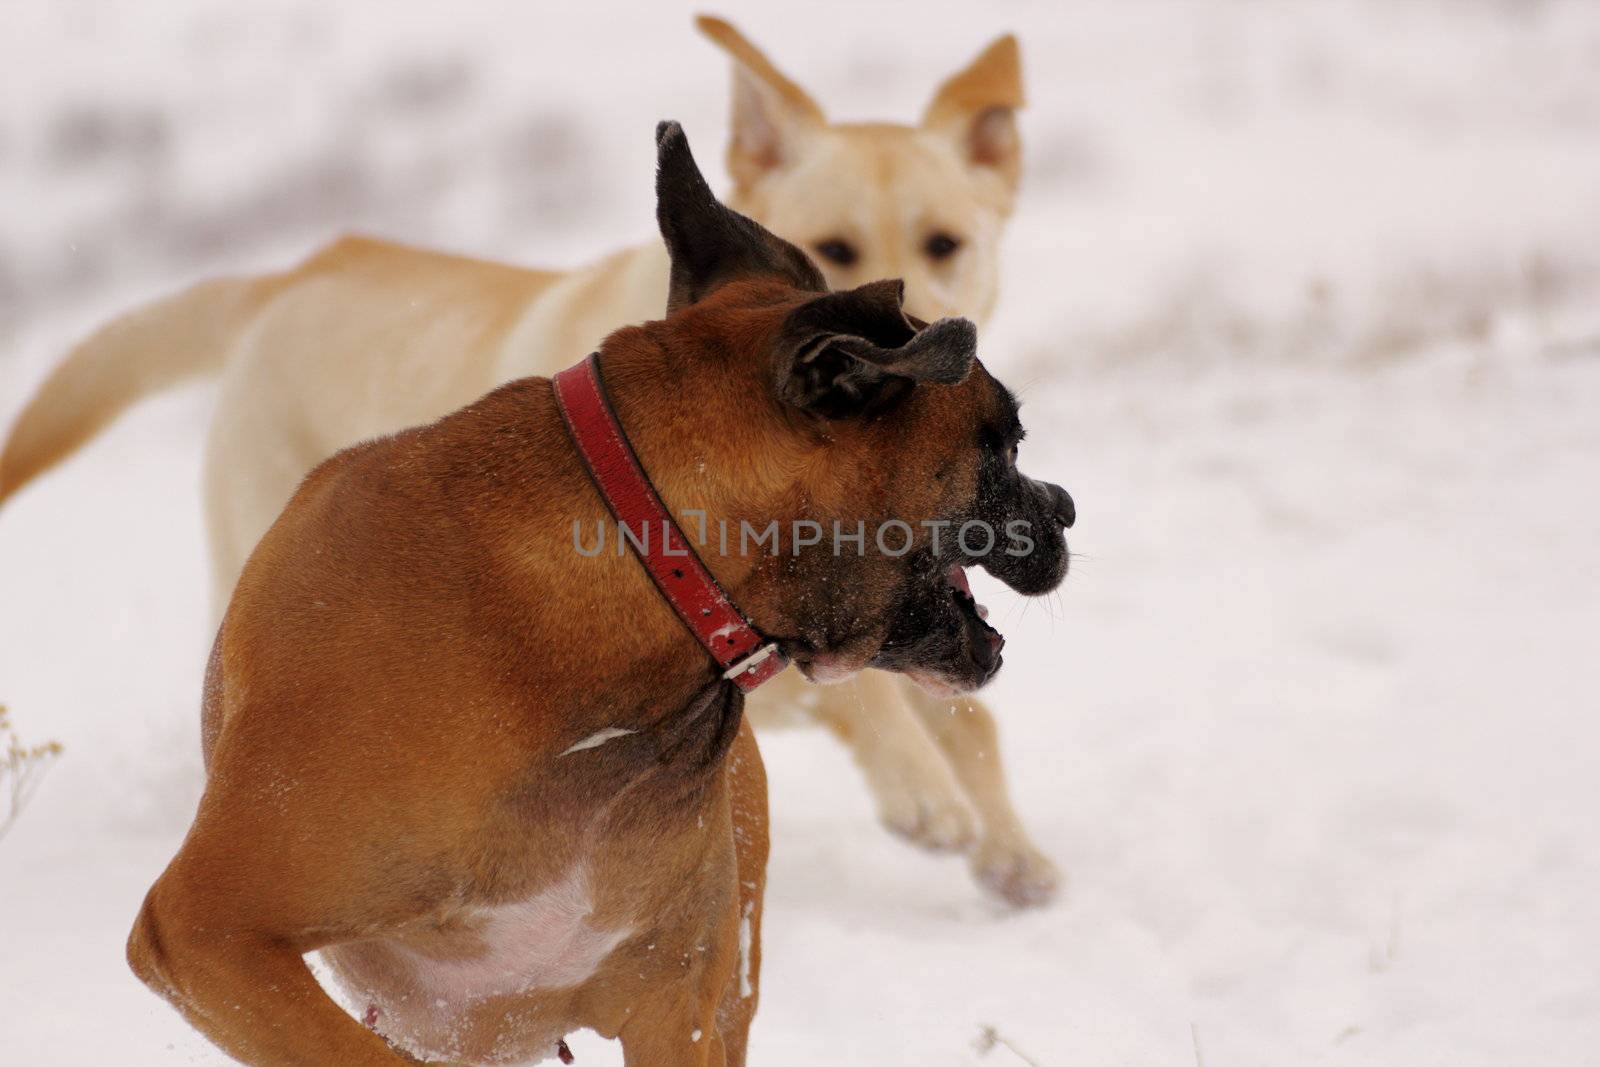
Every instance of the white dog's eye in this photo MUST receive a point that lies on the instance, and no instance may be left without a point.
(837, 250)
(941, 245)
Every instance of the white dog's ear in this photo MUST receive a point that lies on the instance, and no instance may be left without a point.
(977, 107)
(770, 112)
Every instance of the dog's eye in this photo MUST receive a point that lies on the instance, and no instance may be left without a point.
(1011, 454)
(941, 245)
(838, 251)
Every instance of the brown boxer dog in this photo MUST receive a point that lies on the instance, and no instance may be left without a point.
(494, 780)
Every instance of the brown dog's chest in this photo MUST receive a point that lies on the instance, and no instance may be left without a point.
(642, 830)
(446, 989)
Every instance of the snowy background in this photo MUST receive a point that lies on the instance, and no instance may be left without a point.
(1304, 303)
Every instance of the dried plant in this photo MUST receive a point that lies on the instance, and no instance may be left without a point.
(990, 1039)
(21, 770)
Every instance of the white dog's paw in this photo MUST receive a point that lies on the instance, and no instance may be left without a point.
(1016, 872)
(931, 814)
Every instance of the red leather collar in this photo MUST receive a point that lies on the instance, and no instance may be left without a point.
(748, 659)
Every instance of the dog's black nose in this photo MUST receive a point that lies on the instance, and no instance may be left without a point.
(1066, 513)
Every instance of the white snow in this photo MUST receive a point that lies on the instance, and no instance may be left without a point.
(746, 943)
(1304, 305)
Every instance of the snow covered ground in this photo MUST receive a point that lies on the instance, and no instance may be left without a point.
(1304, 305)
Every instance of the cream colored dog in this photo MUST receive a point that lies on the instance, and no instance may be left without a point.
(367, 337)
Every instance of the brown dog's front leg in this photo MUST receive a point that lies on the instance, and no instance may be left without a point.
(705, 1022)
(253, 996)
(669, 1040)
(747, 798)
(677, 1025)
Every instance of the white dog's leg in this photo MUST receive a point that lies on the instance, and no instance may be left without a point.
(1006, 862)
(916, 791)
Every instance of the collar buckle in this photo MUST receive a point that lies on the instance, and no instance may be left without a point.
(753, 660)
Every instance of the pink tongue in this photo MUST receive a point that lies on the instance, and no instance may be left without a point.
(957, 576)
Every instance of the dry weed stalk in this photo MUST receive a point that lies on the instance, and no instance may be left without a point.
(21, 770)
(990, 1039)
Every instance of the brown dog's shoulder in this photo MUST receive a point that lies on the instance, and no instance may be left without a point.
(511, 422)
(419, 508)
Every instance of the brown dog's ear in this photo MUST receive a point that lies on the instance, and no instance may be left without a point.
(709, 244)
(977, 107)
(856, 351)
(770, 113)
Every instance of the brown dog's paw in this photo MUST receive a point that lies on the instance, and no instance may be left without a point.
(1018, 874)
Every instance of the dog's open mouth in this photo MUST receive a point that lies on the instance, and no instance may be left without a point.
(975, 613)
(961, 589)
(940, 638)
(966, 657)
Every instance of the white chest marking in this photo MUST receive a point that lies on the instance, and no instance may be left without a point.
(544, 942)
(596, 739)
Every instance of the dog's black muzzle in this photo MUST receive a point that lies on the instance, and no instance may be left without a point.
(941, 635)
(1031, 555)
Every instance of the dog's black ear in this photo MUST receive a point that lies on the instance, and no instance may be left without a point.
(856, 351)
(709, 244)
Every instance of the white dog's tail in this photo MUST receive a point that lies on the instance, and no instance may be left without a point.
(146, 350)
